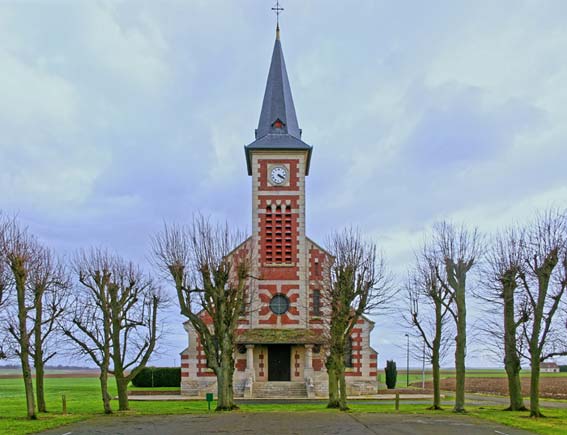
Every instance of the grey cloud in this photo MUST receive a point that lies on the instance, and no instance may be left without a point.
(128, 114)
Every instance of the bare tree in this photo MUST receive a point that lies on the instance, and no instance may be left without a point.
(116, 320)
(4, 295)
(135, 302)
(358, 284)
(18, 253)
(543, 281)
(48, 287)
(429, 302)
(210, 282)
(86, 326)
(500, 280)
(459, 250)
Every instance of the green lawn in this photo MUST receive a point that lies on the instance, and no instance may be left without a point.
(83, 401)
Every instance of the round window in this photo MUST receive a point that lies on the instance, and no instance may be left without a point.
(279, 304)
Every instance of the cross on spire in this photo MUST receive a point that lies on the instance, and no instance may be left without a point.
(278, 10)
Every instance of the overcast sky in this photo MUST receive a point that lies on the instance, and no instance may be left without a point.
(118, 115)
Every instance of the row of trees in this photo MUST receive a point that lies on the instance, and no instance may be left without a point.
(106, 308)
(520, 275)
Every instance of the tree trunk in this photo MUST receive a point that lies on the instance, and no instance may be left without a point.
(435, 354)
(514, 387)
(460, 347)
(333, 384)
(534, 386)
(38, 355)
(39, 387)
(24, 340)
(511, 358)
(343, 390)
(535, 349)
(28, 382)
(122, 387)
(436, 378)
(104, 390)
(119, 377)
(225, 372)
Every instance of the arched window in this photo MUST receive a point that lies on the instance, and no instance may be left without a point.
(316, 302)
(348, 352)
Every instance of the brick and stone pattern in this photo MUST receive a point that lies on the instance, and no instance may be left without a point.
(283, 261)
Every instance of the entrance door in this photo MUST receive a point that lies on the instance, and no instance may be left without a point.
(279, 361)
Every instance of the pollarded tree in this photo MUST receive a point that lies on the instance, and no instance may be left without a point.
(210, 281)
(18, 252)
(428, 306)
(543, 282)
(500, 279)
(459, 250)
(358, 284)
(49, 289)
(41, 283)
(86, 326)
(116, 323)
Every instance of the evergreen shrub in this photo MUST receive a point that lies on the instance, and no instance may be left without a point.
(158, 377)
(391, 374)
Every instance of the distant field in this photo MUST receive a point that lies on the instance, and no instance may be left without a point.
(488, 381)
(497, 373)
(50, 373)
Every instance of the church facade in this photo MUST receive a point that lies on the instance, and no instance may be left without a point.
(281, 345)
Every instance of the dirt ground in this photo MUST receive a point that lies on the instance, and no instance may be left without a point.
(550, 388)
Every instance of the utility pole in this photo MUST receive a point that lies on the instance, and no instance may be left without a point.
(407, 362)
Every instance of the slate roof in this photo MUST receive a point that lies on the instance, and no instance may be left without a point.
(278, 128)
(279, 336)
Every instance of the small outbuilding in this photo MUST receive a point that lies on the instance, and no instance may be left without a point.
(549, 367)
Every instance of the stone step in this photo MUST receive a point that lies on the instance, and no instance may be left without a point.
(279, 390)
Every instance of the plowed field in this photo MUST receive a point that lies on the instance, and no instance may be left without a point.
(550, 387)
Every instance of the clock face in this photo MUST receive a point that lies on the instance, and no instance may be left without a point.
(278, 175)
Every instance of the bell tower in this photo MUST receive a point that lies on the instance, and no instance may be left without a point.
(278, 161)
(281, 333)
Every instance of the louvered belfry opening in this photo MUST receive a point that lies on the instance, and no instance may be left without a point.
(278, 243)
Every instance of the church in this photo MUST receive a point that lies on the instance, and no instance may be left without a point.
(281, 349)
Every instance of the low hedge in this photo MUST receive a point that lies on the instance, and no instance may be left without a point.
(563, 369)
(158, 377)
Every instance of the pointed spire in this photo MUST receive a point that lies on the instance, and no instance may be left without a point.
(278, 112)
(278, 129)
